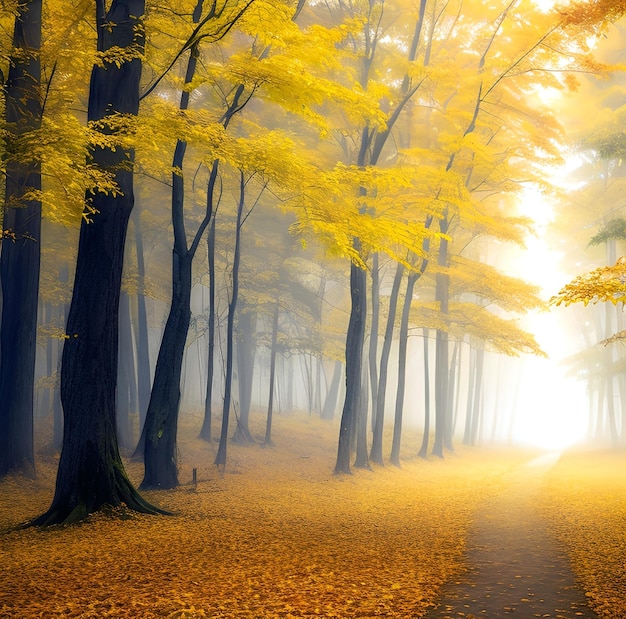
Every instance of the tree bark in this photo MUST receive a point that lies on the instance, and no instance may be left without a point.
(423, 452)
(330, 402)
(354, 354)
(91, 473)
(373, 344)
(245, 351)
(141, 336)
(160, 430)
(126, 382)
(376, 454)
(270, 404)
(403, 338)
(205, 432)
(220, 458)
(20, 256)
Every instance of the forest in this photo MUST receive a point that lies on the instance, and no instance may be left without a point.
(292, 291)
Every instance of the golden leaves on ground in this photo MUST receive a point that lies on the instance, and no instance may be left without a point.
(278, 535)
(585, 500)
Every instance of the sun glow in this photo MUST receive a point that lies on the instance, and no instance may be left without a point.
(551, 407)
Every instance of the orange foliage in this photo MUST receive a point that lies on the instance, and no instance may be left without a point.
(278, 535)
(585, 500)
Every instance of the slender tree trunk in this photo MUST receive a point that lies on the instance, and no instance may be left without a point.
(376, 454)
(403, 338)
(270, 403)
(126, 382)
(160, 430)
(330, 403)
(449, 431)
(45, 398)
(423, 452)
(141, 337)
(471, 383)
(354, 355)
(205, 432)
(220, 458)
(478, 388)
(441, 348)
(245, 350)
(91, 473)
(373, 346)
(20, 255)
(360, 432)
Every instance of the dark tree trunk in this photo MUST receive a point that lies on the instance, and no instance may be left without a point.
(126, 382)
(91, 473)
(354, 355)
(142, 339)
(376, 454)
(361, 460)
(43, 405)
(160, 430)
(373, 346)
(245, 350)
(330, 402)
(220, 458)
(57, 409)
(403, 342)
(423, 452)
(205, 432)
(270, 403)
(20, 256)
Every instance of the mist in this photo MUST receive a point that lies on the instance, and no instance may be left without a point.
(312, 309)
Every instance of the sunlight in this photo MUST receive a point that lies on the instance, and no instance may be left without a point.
(552, 408)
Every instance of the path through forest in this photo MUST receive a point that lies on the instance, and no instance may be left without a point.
(516, 567)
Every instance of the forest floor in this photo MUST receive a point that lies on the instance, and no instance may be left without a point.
(278, 535)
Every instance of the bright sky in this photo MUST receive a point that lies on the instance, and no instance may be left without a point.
(552, 408)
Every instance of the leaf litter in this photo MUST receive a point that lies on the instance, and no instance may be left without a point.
(277, 535)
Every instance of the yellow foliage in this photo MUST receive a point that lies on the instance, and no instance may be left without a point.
(600, 285)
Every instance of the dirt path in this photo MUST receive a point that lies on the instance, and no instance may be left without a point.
(517, 568)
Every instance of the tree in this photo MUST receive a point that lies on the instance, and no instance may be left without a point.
(21, 243)
(91, 473)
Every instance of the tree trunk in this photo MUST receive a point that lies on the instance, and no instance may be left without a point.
(330, 403)
(449, 431)
(376, 454)
(477, 404)
(245, 349)
(471, 383)
(205, 432)
(402, 349)
(441, 348)
(270, 403)
(373, 347)
(354, 354)
(220, 458)
(160, 430)
(126, 382)
(423, 452)
(20, 256)
(91, 473)
(361, 460)
(141, 337)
